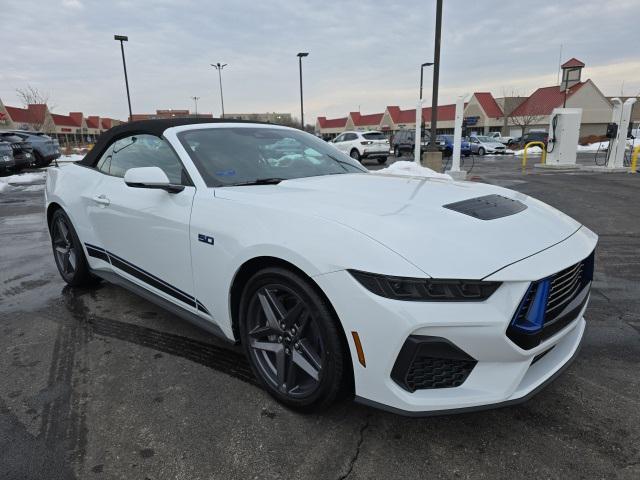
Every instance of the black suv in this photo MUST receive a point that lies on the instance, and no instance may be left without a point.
(22, 151)
(45, 149)
(404, 141)
(534, 137)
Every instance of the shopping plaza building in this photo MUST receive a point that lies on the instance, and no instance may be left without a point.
(74, 128)
(484, 113)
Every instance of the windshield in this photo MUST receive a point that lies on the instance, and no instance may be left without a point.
(237, 155)
(374, 136)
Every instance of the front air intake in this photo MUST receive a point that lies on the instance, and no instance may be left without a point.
(431, 362)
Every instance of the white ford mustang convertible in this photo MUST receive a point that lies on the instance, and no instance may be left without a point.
(416, 295)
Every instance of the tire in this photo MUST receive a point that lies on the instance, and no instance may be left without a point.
(355, 154)
(481, 151)
(68, 253)
(38, 160)
(382, 160)
(396, 152)
(301, 345)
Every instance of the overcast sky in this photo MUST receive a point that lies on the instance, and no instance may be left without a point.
(363, 54)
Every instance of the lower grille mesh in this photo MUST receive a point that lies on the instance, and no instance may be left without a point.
(429, 372)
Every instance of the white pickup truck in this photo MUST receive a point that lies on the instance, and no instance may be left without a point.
(499, 138)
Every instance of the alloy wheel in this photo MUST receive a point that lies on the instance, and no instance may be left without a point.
(65, 250)
(285, 341)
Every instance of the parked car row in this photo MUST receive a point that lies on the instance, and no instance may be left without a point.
(21, 149)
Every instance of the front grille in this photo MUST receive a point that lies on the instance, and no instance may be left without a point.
(429, 372)
(564, 286)
(426, 362)
(564, 295)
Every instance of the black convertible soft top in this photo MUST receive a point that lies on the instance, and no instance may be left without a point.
(150, 127)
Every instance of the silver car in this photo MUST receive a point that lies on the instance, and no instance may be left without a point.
(481, 145)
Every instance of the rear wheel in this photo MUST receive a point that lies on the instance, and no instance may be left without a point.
(382, 160)
(481, 151)
(68, 253)
(291, 339)
(355, 154)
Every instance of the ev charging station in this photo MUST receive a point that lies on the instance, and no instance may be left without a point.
(564, 132)
(617, 132)
(618, 144)
(455, 171)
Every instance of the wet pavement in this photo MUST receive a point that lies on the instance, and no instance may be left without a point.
(102, 384)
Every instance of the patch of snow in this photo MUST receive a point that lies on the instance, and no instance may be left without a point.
(411, 169)
(594, 147)
(74, 157)
(508, 151)
(20, 179)
(530, 151)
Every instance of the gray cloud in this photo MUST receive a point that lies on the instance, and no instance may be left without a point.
(362, 53)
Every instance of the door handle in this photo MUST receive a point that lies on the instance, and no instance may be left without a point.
(101, 199)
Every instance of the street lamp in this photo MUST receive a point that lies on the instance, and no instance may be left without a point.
(219, 66)
(195, 100)
(436, 76)
(426, 64)
(300, 55)
(124, 38)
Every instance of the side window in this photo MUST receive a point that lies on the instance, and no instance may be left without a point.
(104, 164)
(339, 139)
(143, 151)
(350, 136)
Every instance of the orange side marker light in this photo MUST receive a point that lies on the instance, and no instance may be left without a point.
(356, 341)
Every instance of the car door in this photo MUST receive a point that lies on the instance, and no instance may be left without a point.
(145, 232)
(350, 140)
(337, 142)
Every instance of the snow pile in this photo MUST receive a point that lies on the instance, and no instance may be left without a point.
(535, 150)
(20, 179)
(74, 157)
(411, 169)
(594, 147)
(508, 151)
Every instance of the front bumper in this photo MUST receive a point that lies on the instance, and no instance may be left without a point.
(504, 373)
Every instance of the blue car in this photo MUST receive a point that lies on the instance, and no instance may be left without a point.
(446, 146)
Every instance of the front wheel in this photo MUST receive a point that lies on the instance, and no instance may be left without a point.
(382, 160)
(355, 154)
(68, 253)
(292, 340)
(481, 151)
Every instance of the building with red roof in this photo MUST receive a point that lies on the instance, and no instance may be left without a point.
(485, 113)
(72, 128)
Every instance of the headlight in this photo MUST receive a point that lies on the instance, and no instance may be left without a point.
(5, 158)
(425, 290)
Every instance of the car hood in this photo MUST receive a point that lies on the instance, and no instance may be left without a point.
(493, 144)
(406, 214)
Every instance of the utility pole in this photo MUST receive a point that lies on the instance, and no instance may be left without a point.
(219, 66)
(433, 147)
(124, 38)
(300, 55)
(195, 100)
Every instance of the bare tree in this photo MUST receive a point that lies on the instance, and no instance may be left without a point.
(524, 121)
(31, 95)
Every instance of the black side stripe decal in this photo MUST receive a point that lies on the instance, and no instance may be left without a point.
(145, 276)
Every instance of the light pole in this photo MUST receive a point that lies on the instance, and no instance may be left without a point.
(426, 64)
(219, 66)
(300, 55)
(195, 100)
(124, 38)
(433, 147)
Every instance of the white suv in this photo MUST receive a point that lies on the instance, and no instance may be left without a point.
(361, 145)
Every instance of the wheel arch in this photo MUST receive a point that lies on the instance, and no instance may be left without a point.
(51, 209)
(255, 264)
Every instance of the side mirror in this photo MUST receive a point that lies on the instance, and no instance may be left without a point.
(150, 177)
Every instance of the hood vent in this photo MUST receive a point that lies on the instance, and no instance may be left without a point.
(488, 207)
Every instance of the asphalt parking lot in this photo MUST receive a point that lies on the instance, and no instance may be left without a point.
(102, 384)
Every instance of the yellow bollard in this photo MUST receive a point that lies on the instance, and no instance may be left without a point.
(634, 159)
(524, 156)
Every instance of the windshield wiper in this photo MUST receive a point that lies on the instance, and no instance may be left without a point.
(259, 181)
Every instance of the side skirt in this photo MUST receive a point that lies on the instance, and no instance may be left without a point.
(116, 279)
